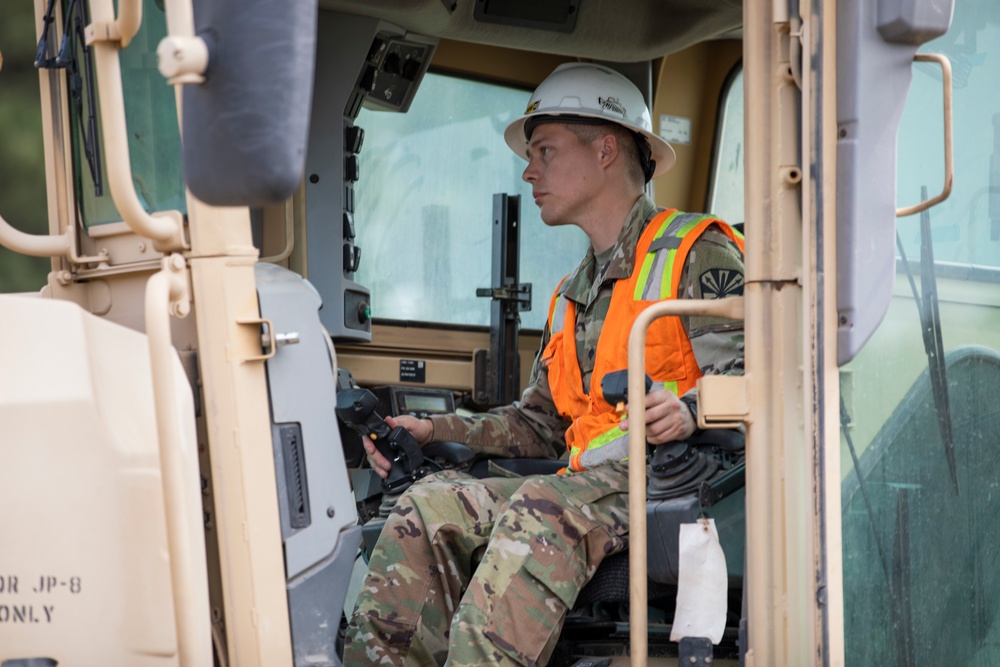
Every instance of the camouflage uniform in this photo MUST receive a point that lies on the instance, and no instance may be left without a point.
(424, 600)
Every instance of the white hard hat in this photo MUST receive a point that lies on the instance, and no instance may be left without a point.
(586, 90)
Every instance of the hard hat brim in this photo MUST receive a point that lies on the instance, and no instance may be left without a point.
(663, 152)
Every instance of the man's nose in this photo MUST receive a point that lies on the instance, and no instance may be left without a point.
(530, 173)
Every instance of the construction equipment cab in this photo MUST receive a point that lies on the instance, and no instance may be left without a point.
(253, 211)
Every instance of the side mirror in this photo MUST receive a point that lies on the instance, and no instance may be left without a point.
(876, 44)
(246, 126)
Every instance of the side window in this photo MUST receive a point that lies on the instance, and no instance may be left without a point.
(153, 136)
(725, 197)
(424, 206)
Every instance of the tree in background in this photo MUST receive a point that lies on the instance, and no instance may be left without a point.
(22, 158)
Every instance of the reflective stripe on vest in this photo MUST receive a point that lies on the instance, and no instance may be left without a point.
(557, 313)
(663, 246)
(655, 276)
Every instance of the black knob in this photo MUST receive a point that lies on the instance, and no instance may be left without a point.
(351, 168)
(354, 137)
(367, 81)
(348, 225)
(411, 68)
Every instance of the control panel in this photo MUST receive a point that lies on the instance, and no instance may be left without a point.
(360, 62)
(393, 70)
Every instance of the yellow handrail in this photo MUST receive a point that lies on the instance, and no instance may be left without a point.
(731, 308)
(168, 292)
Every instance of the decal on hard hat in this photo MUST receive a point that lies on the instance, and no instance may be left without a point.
(612, 104)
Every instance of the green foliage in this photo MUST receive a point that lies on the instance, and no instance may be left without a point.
(22, 158)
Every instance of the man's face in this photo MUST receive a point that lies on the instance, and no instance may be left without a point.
(564, 173)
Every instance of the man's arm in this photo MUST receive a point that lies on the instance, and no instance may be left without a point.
(530, 427)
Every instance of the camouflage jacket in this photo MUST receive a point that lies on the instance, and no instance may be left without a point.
(532, 427)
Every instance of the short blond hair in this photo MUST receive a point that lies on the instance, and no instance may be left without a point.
(588, 133)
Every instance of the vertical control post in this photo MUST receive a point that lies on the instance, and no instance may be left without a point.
(498, 373)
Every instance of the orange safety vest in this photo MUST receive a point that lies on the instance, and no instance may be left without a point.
(669, 357)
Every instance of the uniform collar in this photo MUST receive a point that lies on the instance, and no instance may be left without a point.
(584, 283)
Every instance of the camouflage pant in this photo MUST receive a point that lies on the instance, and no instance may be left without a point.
(425, 602)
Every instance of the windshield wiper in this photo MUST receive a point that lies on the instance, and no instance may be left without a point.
(67, 59)
(930, 325)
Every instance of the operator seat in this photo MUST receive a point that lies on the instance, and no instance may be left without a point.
(703, 477)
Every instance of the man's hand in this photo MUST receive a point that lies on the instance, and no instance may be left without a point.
(420, 429)
(667, 418)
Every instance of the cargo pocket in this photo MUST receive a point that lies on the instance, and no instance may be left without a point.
(526, 621)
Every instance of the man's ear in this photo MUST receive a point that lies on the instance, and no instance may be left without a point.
(608, 149)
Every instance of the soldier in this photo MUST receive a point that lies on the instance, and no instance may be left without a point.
(483, 572)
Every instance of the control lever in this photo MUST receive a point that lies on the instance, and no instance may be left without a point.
(356, 408)
(614, 386)
(702, 464)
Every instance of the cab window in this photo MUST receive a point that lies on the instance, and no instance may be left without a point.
(424, 206)
(725, 197)
(153, 134)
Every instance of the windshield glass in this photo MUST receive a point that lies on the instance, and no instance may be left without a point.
(426, 199)
(920, 423)
(153, 135)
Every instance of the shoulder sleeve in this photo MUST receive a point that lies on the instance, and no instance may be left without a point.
(714, 270)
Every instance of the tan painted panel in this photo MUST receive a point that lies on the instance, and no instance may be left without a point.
(448, 353)
(496, 63)
(80, 478)
(245, 509)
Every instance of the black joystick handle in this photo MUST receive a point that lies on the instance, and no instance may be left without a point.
(356, 408)
(614, 386)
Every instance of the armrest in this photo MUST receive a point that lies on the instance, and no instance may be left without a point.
(452, 452)
(730, 440)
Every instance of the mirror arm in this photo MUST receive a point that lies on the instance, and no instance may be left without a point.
(181, 56)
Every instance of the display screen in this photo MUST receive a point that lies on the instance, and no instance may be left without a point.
(423, 402)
